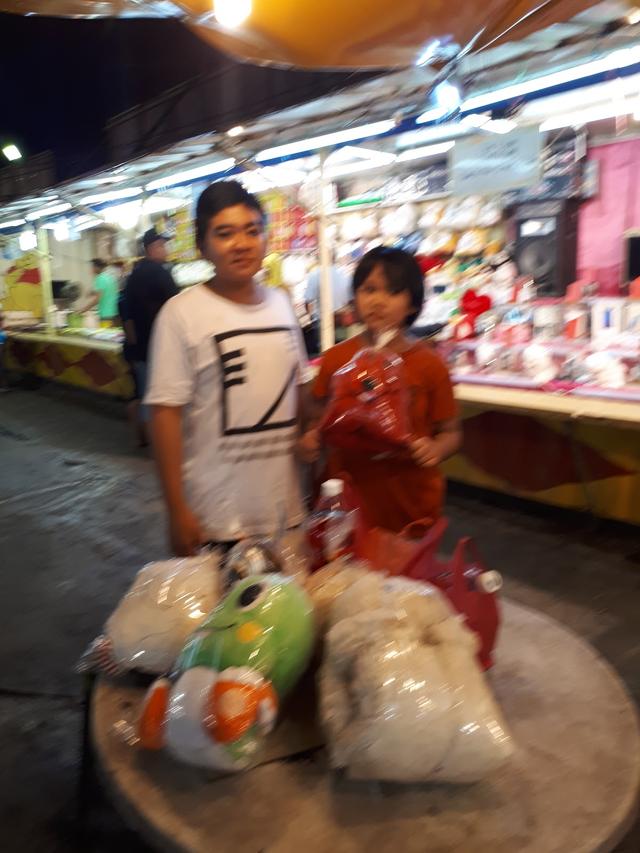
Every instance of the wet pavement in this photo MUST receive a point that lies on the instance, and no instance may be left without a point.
(80, 512)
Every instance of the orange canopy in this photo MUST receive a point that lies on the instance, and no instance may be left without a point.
(337, 33)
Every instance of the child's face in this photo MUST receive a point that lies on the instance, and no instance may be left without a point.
(378, 307)
(235, 242)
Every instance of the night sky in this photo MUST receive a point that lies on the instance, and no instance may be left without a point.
(60, 80)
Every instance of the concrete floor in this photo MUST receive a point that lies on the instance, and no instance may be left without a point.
(80, 512)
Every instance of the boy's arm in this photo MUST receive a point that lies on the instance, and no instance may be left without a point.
(185, 532)
(170, 389)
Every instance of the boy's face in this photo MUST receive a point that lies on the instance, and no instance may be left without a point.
(235, 242)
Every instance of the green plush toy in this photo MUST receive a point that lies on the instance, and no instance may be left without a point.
(223, 697)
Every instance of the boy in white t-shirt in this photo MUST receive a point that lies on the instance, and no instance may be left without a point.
(226, 365)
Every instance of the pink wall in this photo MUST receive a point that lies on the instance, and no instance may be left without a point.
(603, 221)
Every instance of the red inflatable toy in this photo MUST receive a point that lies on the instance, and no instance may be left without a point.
(369, 406)
(464, 579)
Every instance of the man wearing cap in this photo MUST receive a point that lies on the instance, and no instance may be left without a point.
(148, 287)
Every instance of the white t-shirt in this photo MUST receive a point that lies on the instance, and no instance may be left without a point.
(235, 369)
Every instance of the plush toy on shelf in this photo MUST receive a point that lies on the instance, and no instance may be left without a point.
(222, 699)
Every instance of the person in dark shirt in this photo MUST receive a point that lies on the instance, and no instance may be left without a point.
(148, 287)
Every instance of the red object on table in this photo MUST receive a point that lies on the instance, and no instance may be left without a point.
(369, 406)
(463, 578)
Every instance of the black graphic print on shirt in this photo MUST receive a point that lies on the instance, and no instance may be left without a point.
(258, 380)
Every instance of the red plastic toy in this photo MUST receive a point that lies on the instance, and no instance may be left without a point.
(464, 579)
(369, 407)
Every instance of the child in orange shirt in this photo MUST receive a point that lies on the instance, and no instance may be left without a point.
(389, 291)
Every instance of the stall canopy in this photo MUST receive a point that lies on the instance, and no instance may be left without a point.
(334, 33)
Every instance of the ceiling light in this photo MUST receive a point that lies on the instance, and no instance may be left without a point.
(83, 223)
(163, 204)
(622, 58)
(11, 152)
(28, 240)
(192, 174)
(447, 96)
(425, 151)
(351, 153)
(13, 223)
(500, 125)
(272, 177)
(581, 117)
(236, 131)
(48, 211)
(232, 13)
(364, 131)
(111, 195)
(434, 114)
(475, 120)
(438, 133)
(354, 168)
(428, 53)
(61, 230)
(125, 216)
(633, 16)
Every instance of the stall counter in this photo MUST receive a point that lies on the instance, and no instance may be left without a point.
(573, 452)
(76, 360)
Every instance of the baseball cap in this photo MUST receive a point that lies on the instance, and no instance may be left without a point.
(151, 236)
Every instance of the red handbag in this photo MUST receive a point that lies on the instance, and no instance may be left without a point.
(369, 406)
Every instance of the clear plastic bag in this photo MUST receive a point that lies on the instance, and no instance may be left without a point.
(164, 605)
(402, 696)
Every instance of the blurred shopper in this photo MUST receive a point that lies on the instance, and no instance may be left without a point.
(148, 287)
(105, 292)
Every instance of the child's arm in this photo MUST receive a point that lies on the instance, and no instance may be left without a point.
(430, 452)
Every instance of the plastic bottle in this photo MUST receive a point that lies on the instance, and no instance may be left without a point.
(330, 526)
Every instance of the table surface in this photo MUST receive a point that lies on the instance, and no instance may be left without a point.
(619, 412)
(572, 787)
(69, 339)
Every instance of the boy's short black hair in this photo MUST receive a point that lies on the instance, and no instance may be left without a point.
(99, 264)
(216, 198)
(402, 271)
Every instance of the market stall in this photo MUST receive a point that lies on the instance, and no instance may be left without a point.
(77, 360)
(517, 219)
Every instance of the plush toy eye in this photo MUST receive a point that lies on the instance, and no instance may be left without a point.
(249, 597)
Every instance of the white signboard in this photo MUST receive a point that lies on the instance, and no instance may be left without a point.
(491, 162)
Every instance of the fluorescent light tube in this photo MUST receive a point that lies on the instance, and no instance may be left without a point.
(425, 151)
(192, 174)
(112, 195)
(48, 211)
(364, 131)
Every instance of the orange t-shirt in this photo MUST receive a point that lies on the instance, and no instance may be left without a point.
(395, 492)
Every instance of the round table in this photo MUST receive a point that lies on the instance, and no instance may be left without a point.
(572, 788)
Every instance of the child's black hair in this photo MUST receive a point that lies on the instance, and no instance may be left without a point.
(99, 264)
(218, 197)
(402, 271)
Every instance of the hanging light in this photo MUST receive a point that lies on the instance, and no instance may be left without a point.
(12, 152)
(232, 13)
(447, 96)
(61, 230)
(28, 240)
